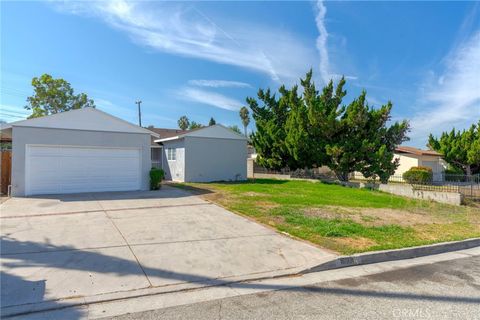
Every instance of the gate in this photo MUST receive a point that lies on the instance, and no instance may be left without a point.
(5, 171)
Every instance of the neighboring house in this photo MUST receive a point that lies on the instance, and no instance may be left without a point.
(83, 150)
(213, 153)
(413, 157)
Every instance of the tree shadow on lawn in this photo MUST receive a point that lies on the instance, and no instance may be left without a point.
(16, 290)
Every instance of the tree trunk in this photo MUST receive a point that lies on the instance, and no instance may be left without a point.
(468, 169)
(245, 129)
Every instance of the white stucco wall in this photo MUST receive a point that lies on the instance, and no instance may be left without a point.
(174, 169)
(215, 159)
(406, 162)
(49, 136)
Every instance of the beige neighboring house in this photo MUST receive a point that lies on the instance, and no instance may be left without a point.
(413, 157)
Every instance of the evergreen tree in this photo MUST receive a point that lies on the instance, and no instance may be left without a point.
(312, 129)
(212, 122)
(460, 149)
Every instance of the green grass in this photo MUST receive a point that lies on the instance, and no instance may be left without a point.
(343, 219)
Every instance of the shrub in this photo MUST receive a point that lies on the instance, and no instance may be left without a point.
(156, 177)
(418, 175)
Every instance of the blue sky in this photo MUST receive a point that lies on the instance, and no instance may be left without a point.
(202, 59)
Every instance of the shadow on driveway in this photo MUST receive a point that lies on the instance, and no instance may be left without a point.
(16, 290)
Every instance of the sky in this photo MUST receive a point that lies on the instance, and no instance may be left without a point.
(202, 59)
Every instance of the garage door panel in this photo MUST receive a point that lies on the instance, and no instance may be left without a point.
(62, 169)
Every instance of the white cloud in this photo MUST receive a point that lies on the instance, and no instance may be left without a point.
(183, 30)
(322, 38)
(455, 100)
(219, 84)
(209, 98)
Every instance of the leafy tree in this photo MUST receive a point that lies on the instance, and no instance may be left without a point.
(212, 122)
(194, 125)
(235, 128)
(245, 117)
(183, 123)
(53, 96)
(460, 149)
(314, 129)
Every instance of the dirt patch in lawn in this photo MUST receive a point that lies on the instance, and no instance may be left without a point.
(358, 243)
(374, 216)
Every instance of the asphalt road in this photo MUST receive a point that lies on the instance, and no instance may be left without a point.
(443, 290)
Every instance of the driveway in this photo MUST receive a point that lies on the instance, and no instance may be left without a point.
(86, 247)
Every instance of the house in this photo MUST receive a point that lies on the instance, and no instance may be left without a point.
(83, 150)
(213, 153)
(414, 157)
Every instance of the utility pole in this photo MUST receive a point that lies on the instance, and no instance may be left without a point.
(138, 102)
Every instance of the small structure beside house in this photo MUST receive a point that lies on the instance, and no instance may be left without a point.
(213, 153)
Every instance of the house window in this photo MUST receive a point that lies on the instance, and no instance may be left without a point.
(171, 154)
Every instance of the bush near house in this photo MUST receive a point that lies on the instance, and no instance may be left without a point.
(156, 177)
(418, 175)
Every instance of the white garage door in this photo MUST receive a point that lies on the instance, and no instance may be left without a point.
(62, 169)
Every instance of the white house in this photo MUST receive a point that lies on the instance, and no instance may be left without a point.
(213, 153)
(83, 150)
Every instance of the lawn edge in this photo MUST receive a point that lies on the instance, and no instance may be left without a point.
(395, 254)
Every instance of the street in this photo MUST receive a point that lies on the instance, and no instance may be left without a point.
(442, 290)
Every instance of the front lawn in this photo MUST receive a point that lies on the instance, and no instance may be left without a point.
(343, 219)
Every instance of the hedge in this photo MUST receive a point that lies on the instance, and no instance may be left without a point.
(418, 175)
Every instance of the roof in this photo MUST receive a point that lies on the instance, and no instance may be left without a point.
(167, 133)
(216, 131)
(81, 119)
(416, 151)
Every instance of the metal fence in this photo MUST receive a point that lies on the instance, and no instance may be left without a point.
(469, 186)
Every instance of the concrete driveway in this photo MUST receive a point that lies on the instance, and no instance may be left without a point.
(94, 247)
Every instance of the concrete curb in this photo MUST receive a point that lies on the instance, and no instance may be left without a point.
(392, 255)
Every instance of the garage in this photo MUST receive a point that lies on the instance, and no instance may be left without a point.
(85, 150)
(63, 169)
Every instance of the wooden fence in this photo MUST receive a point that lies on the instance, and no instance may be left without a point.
(5, 171)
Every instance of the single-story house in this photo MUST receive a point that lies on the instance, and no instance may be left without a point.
(213, 153)
(83, 150)
(88, 150)
(414, 157)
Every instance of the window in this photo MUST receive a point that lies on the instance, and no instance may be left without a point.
(171, 154)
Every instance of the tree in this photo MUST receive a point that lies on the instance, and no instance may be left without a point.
(270, 120)
(461, 149)
(235, 128)
(53, 96)
(183, 123)
(212, 122)
(195, 125)
(245, 117)
(312, 129)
